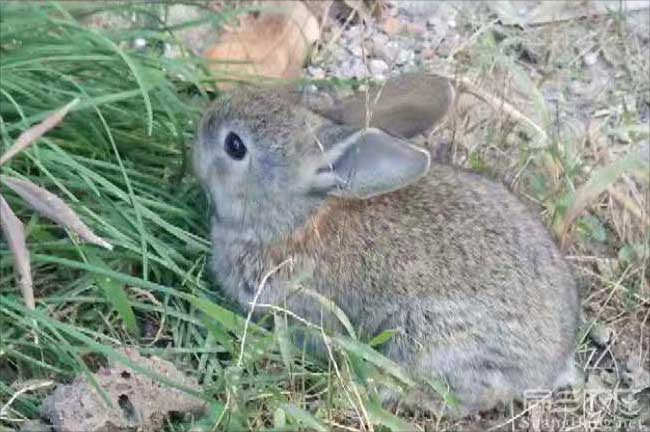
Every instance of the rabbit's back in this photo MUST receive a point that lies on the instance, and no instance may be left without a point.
(466, 273)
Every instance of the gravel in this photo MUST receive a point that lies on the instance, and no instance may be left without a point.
(408, 36)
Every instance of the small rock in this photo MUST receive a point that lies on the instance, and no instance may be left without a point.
(378, 38)
(109, 20)
(629, 403)
(316, 72)
(310, 89)
(606, 267)
(378, 43)
(319, 100)
(354, 32)
(392, 9)
(635, 375)
(601, 334)
(645, 150)
(140, 43)
(354, 68)
(629, 105)
(609, 378)
(416, 28)
(339, 54)
(137, 400)
(447, 44)
(197, 38)
(595, 383)
(428, 53)
(405, 56)
(356, 50)
(377, 67)
(391, 26)
(418, 7)
(591, 58)
(389, 51)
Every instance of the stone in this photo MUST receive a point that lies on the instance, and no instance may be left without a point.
(139, 43)
(377, 67)
(590, 58)
(389, 51)
(137, 400)
(428, 53)
(391, 26)
(377, 44)
(316, 72)
(356, 50)
(416, 28)
(601, 334)
(405, 56)
(354, 68)
(354, 32)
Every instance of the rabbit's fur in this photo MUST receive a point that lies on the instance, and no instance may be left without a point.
(473, 282)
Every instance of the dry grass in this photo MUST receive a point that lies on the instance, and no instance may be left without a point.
(577, 148)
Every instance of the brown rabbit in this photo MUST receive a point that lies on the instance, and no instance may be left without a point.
(473, 282)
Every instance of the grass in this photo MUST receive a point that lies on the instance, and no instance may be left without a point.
(120, 160)
(117, 160)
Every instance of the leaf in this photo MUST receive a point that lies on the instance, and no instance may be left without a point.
(137, 72)
(382, 337)
(630, 254)
(14, 234)
(303, 417)
(442, 388)
(216, 330)
(361, 369)
(116, 295)
(282, 336)
(591, 228)
(367, 353)
(37, 131)
(279, 419)
(272, 44)
(230, 320)
(331, 307)
(92, 345)
(53, 208)
(380, 416)
(600, 180)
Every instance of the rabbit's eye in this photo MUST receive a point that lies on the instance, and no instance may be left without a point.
(234, 146)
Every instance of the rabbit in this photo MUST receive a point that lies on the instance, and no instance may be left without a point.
(479, 293)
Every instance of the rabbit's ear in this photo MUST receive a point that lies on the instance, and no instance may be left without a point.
(369, 163)
(408, 105)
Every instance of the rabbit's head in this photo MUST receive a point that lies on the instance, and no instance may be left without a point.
(267, 163)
